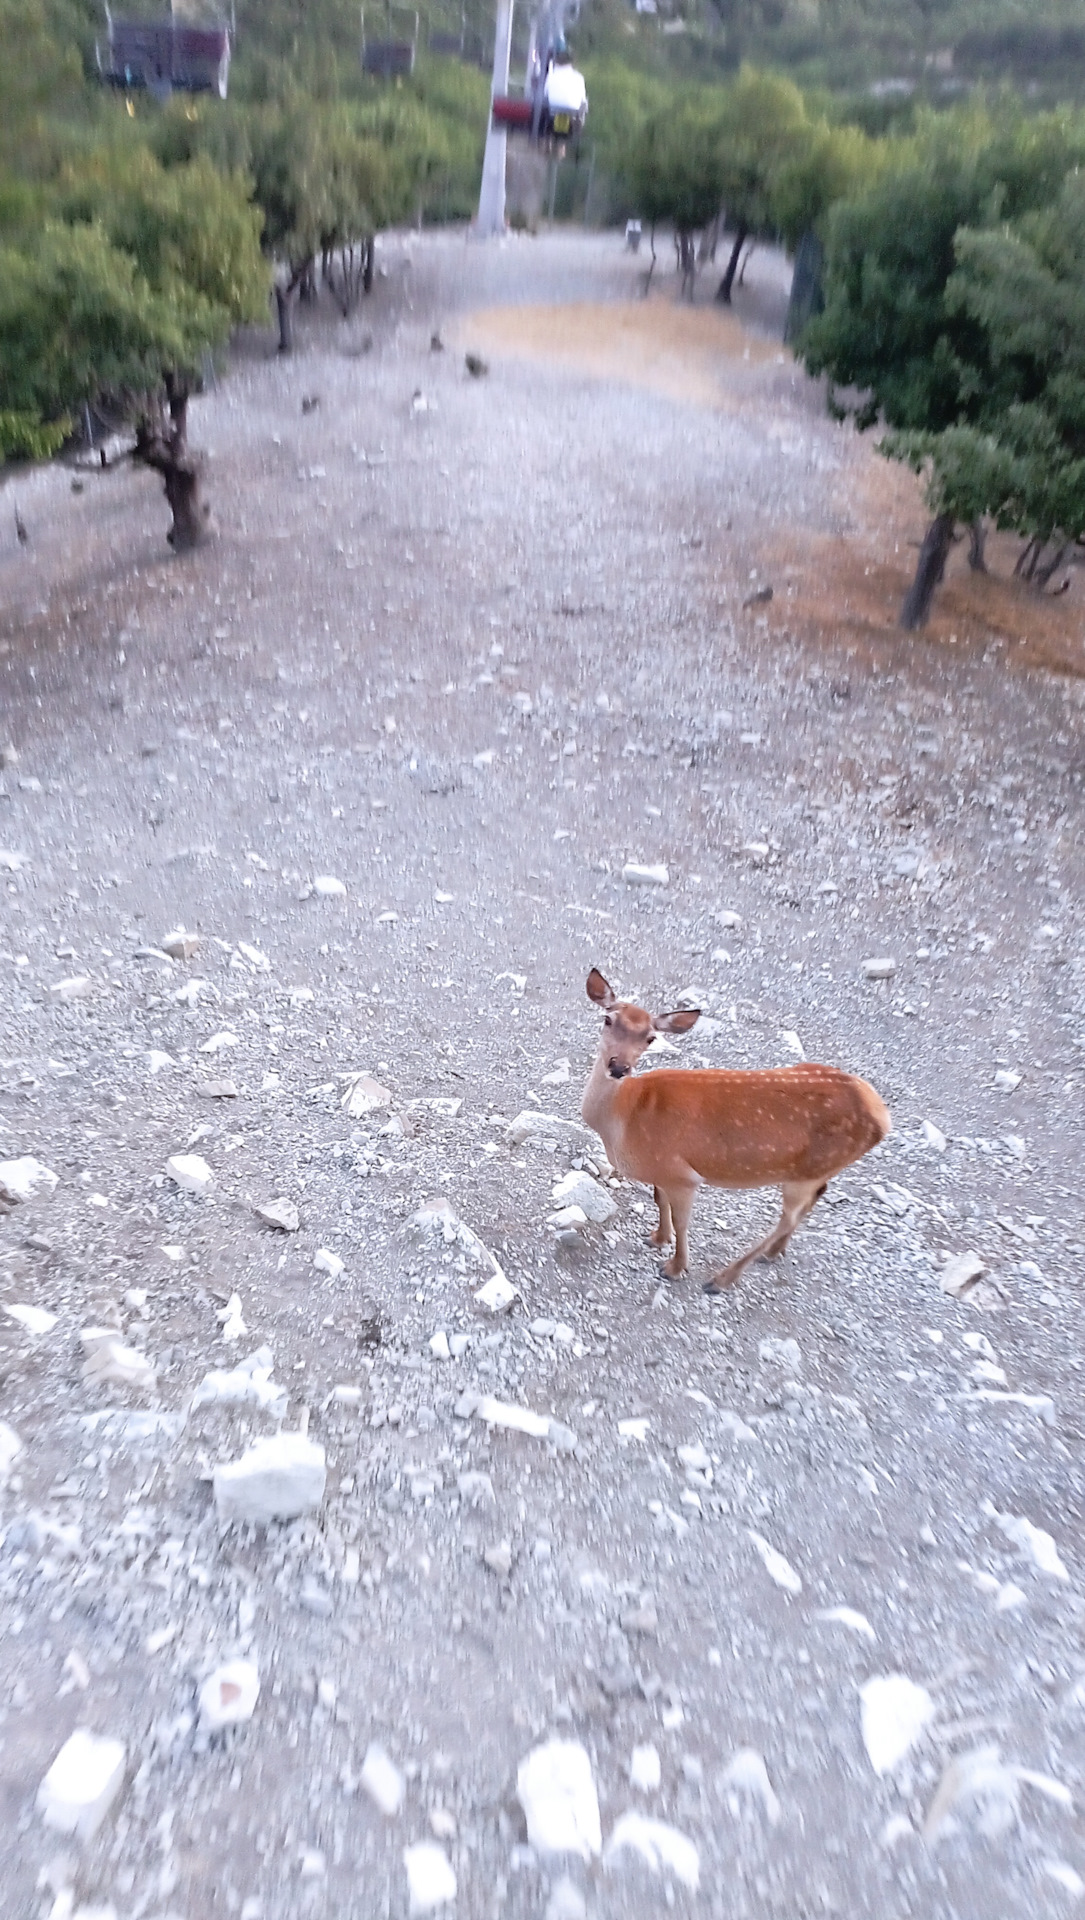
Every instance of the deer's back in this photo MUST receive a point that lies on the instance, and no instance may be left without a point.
(740, 1129)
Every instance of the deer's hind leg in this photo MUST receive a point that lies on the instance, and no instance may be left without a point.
(798, 1197)
(681, 1206)
(664, 1232)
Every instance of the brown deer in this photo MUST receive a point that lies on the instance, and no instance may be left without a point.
(677, 1129)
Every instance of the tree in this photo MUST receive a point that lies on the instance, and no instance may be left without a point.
(1023, 459)
(762, 118)
(139, 274)
(913, 340)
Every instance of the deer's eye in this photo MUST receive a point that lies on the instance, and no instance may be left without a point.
(608, 1022)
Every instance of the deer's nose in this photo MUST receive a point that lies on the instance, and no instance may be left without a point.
(618, 1069)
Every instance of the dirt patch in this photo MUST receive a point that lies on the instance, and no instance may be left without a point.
(684, 353)
(850, 583)
(853, 584)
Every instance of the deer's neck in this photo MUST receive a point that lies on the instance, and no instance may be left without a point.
(597, 1106)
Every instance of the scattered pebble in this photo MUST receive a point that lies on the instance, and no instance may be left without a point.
(229, 1695)
(190, 1172)
(382, 1780)
(662, 1848)
(431, 1882)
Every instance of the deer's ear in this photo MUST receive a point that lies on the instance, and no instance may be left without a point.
(680, 1022)
(600, 990)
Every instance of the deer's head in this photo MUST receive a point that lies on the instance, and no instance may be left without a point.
(628, 1029)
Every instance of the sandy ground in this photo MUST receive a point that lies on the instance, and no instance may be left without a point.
(469, 658)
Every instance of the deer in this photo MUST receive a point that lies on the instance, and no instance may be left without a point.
(678, 1129)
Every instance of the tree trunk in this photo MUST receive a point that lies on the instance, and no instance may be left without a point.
(652, 268)
(370, 262)
(977, 547)
(929, 570)
(1042, 574)
(162, 443)
(284, 303)
(723, 292)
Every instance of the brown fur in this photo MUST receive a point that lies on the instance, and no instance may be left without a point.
(676, 1130)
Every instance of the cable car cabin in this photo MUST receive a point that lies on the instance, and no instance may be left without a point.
(553, 113)
(166, 57)
(391, 58)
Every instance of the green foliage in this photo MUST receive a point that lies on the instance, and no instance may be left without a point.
(887, 328)
(1021, 457)
(191, 231)
(76, 317)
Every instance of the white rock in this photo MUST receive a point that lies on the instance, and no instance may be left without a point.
(248, 1384)
(229, 1695)
(1033, 1543)
(580, 1190)
(78, 987)
(190, 1172)
(934, 1136)
(82, 1784)
(382, 1780)
(327, 1262)
(22, 1179)
(233, 1326)
(502, 1413)
(281, 1213)
(734, 1426)
(636, 875)
(894, 1713)
(880, 968)
(1006, 1081)
(10, 1448)
(1041, 1404)
(777, 1568)
(532, 1127)
(850, 1618)
(566, 1902)
(36, 1320)
(111, 1363)
(635, 1428)
(568, 1219)
(179, 944)
(275, 1479)
(645, 1771)
(258, 961)
(1064, 1876)
(792, 1042)
(695, 1458)
(660, 1846)
(219, 1042)
(364, 1095)
(327, 885)
(746, 1773)
(498, 1293)
(439, 1347)
(157, 1060)
(430, 1880)
(11, 862)
(960, 1273)
(559, 1077)
(556, 1790)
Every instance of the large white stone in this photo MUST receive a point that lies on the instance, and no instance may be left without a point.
(555, 1787)
(82, 1784)
(580, 1190)
(382, 1780)
(661, 1847)
(275, 1479)
(430, 1879)
(22, 1179)
(190, 1172)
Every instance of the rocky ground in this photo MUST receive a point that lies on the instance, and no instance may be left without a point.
(795, 1577)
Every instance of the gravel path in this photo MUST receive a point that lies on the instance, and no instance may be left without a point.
(467, 659)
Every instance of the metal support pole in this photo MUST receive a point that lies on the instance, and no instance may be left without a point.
(491, 199)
